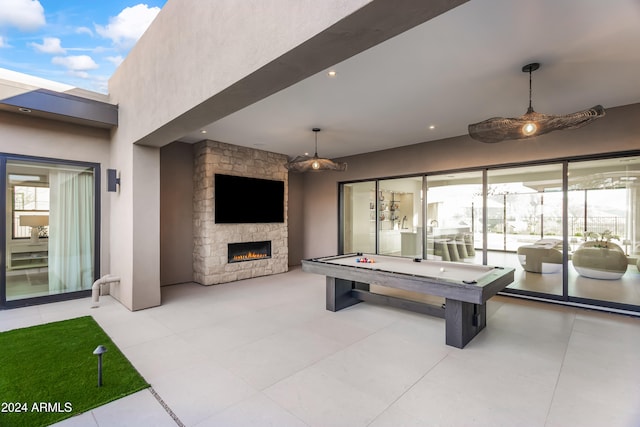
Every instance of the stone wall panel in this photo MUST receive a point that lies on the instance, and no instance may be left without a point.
(210, 239)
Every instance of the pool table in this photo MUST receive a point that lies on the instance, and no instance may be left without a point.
(465, 287)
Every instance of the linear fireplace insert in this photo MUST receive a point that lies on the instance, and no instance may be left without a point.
(248, 251)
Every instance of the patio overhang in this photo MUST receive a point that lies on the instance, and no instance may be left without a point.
(58, 106)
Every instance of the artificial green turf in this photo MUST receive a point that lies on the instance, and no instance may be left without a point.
(49, 372)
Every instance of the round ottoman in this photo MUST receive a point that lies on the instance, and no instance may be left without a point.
(600, 263)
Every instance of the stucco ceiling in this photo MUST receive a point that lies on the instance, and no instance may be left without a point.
(459, 68)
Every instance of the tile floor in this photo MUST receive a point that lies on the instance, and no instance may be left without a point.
(265, 352)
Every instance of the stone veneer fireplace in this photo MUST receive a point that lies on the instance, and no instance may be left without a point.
(211, 241)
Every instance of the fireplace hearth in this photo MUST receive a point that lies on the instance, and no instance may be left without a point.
(248, 251)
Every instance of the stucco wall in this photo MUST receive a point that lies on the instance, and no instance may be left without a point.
(618, 131)
(135, 220)
(176, 213)
(296, 220)
(25, 135)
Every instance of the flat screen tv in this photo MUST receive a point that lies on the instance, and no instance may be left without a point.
(242, 200)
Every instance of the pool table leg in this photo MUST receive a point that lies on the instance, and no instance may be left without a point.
(339, 293)
(463, 321)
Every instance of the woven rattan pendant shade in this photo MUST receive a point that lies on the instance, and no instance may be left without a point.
(530, 124)
(315, 163)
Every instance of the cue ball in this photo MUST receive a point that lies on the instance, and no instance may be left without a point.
(441, 269)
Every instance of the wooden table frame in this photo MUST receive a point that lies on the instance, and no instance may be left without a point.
(464, 311)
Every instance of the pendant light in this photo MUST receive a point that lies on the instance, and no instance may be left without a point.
(531, 123)
(315, 163)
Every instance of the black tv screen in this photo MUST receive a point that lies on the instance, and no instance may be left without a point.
(242, 200)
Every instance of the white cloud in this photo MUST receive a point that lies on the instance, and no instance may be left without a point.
(115, 60)
(49, 45)
(76, 65)
(3, 43)
(84, 30)
(126, 28)
(26, 15)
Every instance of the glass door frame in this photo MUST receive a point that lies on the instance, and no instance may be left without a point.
(4, 158)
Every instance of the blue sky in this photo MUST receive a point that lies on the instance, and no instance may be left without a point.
(76, 42)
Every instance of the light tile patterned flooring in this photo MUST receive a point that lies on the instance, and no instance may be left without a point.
(265, 352)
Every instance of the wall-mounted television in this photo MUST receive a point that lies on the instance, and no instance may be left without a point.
(242, 200)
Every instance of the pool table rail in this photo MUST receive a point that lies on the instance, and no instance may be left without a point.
(477, 293)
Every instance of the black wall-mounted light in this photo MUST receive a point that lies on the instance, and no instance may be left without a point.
(112, 180)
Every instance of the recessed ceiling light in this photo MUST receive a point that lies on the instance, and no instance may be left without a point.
(306, 154)
(332, 73)
(432, 127)
(24, 110)
(203, 131)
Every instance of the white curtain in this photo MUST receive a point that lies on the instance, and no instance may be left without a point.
(71, 231)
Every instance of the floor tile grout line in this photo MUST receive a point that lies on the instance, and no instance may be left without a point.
(307, 366)
(95, 420)
(410, 387)
(266, 396)
(564, 356)
(166, 407)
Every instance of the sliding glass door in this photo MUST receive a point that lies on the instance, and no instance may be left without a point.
(358, 213)
(50, 229)
(454, 217)
(400, 217)
(524, 225)
(604, 230)
(570, 229)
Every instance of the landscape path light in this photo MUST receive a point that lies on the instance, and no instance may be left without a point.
(99, 351)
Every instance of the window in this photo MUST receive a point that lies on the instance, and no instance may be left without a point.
(29, 200)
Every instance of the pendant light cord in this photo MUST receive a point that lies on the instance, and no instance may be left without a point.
(530, 91)
(530, 68)
(316, 144)
(316, 130)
